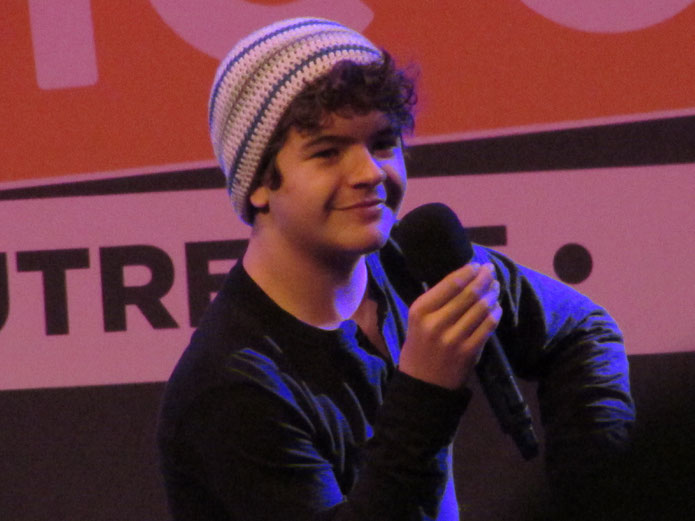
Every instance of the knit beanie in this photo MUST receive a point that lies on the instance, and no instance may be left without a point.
(257, 81)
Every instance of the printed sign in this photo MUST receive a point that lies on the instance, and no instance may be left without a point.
(116, 230)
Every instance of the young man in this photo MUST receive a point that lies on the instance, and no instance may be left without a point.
(312, 390)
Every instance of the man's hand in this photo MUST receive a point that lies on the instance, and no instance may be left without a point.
(449, 324)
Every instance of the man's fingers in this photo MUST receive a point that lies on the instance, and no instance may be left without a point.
(486, 328)
(474, 326)
(479, 289)
(448, 288)
(461, 288)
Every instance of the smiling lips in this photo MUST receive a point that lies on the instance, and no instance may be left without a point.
(365, 203)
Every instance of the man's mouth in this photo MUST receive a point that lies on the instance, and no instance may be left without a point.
(364, 203)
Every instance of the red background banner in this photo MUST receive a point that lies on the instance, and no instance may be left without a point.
(484, 65)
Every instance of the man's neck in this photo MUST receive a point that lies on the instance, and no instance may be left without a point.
(318, 291)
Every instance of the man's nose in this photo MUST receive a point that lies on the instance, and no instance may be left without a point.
(367, 169)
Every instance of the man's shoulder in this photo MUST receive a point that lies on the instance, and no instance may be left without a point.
(230, 329)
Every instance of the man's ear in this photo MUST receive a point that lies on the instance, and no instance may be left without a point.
(259, 198)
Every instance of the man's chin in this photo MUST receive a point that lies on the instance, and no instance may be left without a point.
(365, 245)
(378, 239)
(361, 239)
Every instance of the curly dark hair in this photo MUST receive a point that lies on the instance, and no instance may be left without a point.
(348, 88)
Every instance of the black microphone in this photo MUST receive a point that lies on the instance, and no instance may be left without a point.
(434, 244)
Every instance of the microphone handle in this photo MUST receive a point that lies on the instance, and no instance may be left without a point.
(499, 386)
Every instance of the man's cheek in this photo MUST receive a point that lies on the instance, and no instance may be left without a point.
(395, 189)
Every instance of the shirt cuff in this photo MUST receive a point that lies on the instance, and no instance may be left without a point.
(424, 411)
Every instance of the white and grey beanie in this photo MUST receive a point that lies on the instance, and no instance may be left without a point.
(257, 81)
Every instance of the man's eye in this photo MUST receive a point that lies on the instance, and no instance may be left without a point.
(326, 153)
(384, 145)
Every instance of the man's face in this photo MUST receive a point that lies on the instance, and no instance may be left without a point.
(341, 187)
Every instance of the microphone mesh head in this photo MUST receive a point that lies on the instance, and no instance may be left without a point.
(433, 241)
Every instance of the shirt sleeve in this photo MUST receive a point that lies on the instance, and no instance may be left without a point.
(574, 350)
(255, 452)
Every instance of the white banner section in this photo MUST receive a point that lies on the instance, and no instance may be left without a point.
(103, 289)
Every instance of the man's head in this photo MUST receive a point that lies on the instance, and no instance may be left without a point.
(295, 74)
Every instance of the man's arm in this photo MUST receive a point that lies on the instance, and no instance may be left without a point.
(257, 453)
(574, 349)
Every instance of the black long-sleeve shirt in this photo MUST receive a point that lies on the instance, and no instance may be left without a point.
(266, 417)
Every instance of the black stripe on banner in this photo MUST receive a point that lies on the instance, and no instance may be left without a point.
(198, 179)
(655, 142)
(642, 143)
(488, 235)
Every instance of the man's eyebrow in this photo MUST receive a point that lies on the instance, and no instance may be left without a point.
(335, 139)
(388, 131)
(327, 139)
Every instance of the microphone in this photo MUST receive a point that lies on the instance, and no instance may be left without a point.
(434, 244)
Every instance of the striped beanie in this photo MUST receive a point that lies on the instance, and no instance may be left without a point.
(257, 81)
